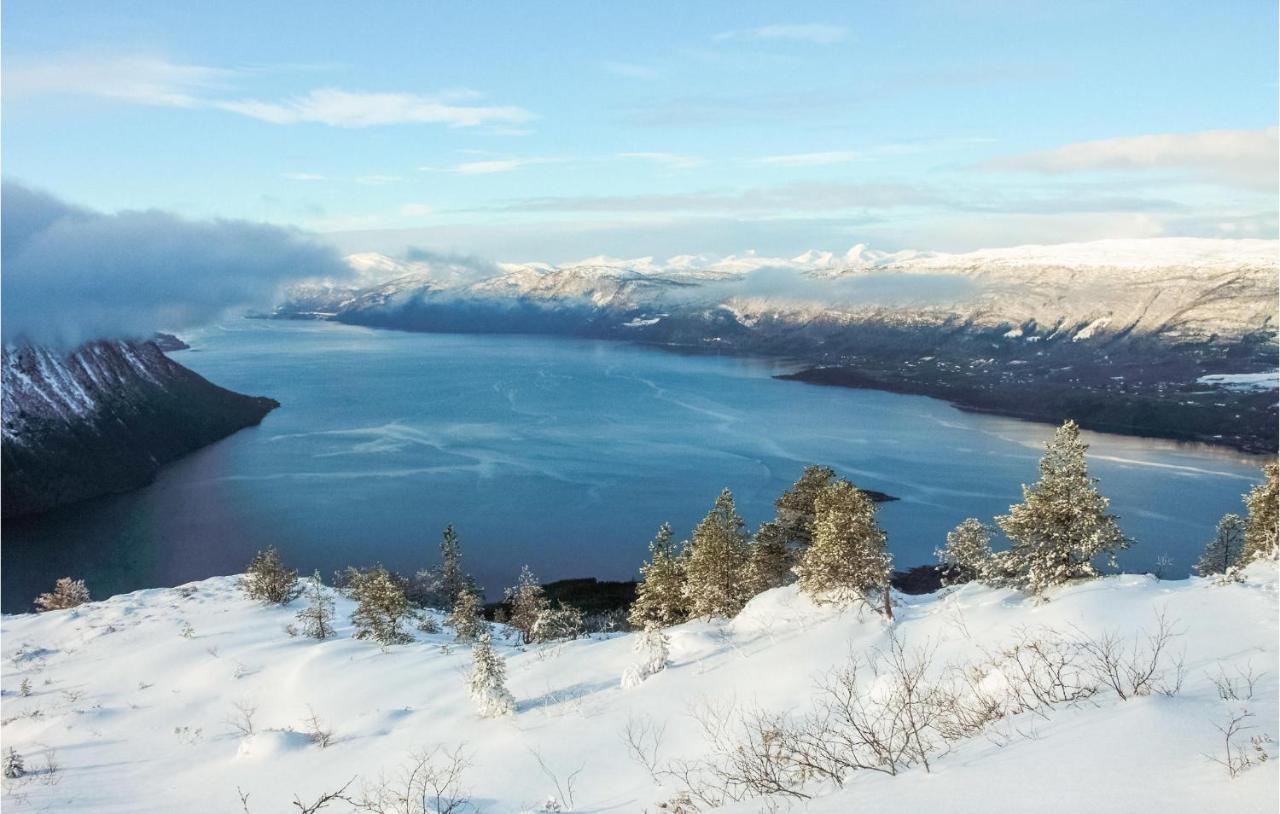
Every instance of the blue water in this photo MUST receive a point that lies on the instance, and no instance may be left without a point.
(563, 454)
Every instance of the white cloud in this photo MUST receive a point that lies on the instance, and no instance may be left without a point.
(813, 159)
(340, 108)
(141, 80)
(815, 33)
(1233, 157)
(413, 210)
(673, 160)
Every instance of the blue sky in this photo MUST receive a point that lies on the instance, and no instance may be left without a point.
(555, 131)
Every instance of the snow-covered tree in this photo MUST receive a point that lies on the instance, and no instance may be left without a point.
(967, 555)
(847, 558)
(560, 622)
(653, 646)
(1260, 540)
(13, 767)
(488, 684)
(267, 579)
(381, 607)
(795, 507)
(465, 618)
(1223, 551)
(769, 561)
(660, 594)
(527, 600)
(452, 578)
(67, 593)
(316, 619)
(715, 564)
(1062, 524)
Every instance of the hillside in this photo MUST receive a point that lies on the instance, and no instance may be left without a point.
(134, 698)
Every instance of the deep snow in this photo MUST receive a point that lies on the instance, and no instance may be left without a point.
(137, 712)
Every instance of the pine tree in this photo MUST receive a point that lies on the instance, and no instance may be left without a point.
(967, 554)
(267, 579)
(1260, 541)
(654, 649)
(847, 559)
(465, 618)
(1062, 523)
(316, 619)
(716, 562)
(1223, 551)
(660, 594)
(527, 600)
(488, 680)
(13, 768)
(795, 508)
(769, 561)
(67, 593)
(452, 578)
(381, 607)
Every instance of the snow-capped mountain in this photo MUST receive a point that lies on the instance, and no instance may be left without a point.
(103, 418)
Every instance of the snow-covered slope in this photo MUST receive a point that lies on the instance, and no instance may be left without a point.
(102, 418)
(136, 712)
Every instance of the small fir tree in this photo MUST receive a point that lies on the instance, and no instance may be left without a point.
(660, 594)
(381, 607)
(24, 689)
(795, 507)
(488, 685)
(452, 578)
(316, 619)
(653, 646)
(13, 768)
(1062, 524)
(527, 600)
(552, 624)
(67, 593)
(1223, 551)
(1260, 540)
(268, 580)
(465, 618)
(847, 559)
(769, 561)
(715, 565)
(967, 555)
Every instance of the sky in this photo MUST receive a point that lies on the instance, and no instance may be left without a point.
(555, 131)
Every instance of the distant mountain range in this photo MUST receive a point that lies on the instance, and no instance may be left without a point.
(1117, 334)
(103, 418)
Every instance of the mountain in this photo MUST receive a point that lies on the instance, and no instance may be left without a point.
(103, 419)
(1118, 334)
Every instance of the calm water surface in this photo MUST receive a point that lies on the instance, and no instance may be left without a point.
(563, 454)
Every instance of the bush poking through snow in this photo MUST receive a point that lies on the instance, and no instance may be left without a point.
(465, 618)
(527, 601)
(268, 580)
(488, 683)
(381, 607)
(66, 593)
(430, 782)
(315, 621)
(967, 555)
(558, 623)
(847, 559)
(653, 647)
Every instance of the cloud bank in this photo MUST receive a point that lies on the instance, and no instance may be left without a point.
(72, 274)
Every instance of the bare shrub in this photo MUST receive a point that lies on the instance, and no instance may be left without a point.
(1241, 751)
(564, 790)
(430, 782)
(1042, 669)
(66, 593)
(643, 737)
(268, 580)
(1138, 667)
(241, 718)
(316, 731)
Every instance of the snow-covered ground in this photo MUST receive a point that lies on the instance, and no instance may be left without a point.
(134, 696)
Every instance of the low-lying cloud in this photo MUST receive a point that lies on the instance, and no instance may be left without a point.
(879, 289)
(73, 274)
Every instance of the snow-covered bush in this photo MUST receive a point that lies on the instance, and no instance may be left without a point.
(654, 649)
(967, 555)
(1224, 550)
(552, 624)
(267, 579)
(381, 607)
(13, 766)
(660, 593)
(465, 618)
(715, 562)
(488, 685)
(316, 619)
(526, 600)
(67, 593)
(1062, 524)
(847, 558)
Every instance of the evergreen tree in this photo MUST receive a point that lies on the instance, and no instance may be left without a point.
(1260, 532)
(660, 594)
(381, 607)
(847, 558)
(452, 578)
(316, 619)
(527, 600)
(769, 561)
(654, 649)
(488, 680)
(13, 768)
(267, 579)
(67, 593)
(1223, 551)
(967, 555)
(716, 562)
(795, 508)
(552, 624)
(1062, 523)
(465, 618)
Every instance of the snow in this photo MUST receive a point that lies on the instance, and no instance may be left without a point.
(137, 712)
(1267, 380)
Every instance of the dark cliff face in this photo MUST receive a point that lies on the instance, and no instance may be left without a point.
(103, 419)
